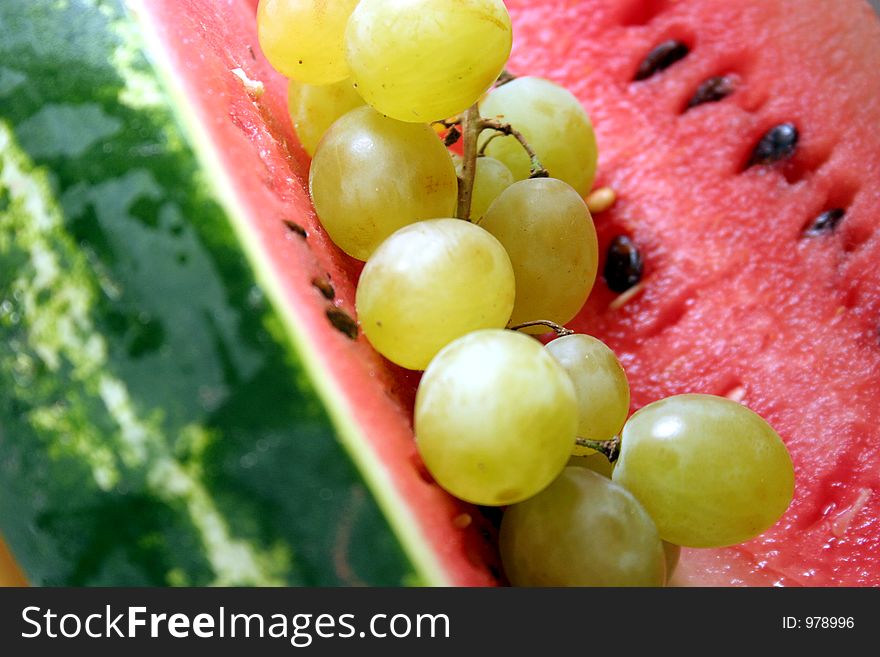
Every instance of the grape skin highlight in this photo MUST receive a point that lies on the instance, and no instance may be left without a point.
(303, 39)
(495, 417)
(582, 530)
(430, 283)
(710, 471)
(372, 175)
(423, 60)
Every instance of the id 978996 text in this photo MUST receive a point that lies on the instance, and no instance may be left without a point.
(818, 622)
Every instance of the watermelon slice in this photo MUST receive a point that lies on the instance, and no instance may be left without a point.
(739, 295)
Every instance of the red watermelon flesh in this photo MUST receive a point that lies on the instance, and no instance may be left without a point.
(736, 299)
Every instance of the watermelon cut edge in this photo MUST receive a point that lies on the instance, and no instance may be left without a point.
(370, 423)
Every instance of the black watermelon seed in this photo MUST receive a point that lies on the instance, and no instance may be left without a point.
(324, 286)
(661, 57)
(778, 143)
(343, 322)
(294, 227)
(825, 222)
(623, 267)
(711, 91)
(452, 136)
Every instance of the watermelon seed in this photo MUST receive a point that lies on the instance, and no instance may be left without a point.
(778, 143)
(711, 91)
(343, 322)
(737, 394)
(661, 57)
(601, 199)
(825, 222)
(462, 520)
(294, 227)
(324, 287)
(624, 266)
(622, 299)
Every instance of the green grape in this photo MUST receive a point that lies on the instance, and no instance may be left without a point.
(495, 417)
(372, 175)
(672, 554)
(595, 461)
(304, 39)
(490, 179)
(554, 124)
(599, 381)
(548, 232)
(582, 530)
(423, 60)
(709, 471)
(314, 108)
(430, 283)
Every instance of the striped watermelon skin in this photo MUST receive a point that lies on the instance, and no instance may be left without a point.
(157, 427)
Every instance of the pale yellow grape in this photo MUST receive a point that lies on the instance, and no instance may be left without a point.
(599, 381)
(547, 230)
(314, 108)
(372, 175)
(304, 39)
(423, 60)
(553, 122)
(490, 179)
(710, 471)
(582, 530)
(495, 417)
(430, 283)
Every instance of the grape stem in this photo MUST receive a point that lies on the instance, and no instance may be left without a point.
(610, 448)
(537, 170)
(505, 77)
(560, 331)
(471, 131)
(470, 125)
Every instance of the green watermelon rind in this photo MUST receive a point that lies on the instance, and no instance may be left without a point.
(185, 502)
(399, 514)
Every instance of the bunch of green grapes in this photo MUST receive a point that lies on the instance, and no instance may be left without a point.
(460, 249)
